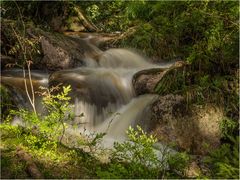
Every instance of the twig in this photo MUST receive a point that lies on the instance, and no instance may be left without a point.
(31, 84)
(24, 49)
(24, 28)
(109, 124)
(26, 89)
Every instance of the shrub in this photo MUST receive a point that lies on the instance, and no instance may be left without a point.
(52, 125)
(136, 158)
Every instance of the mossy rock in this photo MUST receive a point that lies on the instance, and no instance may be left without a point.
(158, 80)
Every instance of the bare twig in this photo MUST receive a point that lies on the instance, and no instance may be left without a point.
(26, 89)
(31, 85)
(109, 124)
(24, 49)
(23, 24)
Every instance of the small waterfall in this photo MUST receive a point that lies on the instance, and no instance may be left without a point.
(129, 115)
(119, 58)
(102, 92)
(96, 92)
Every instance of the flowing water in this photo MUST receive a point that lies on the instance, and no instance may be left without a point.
(101, 91)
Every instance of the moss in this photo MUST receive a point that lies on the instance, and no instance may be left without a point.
(11, 166)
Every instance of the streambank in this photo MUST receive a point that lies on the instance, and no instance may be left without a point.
(106, 87)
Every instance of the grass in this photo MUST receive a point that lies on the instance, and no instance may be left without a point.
(53, 162)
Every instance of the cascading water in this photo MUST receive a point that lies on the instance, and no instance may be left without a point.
(13, 79)
(102, 91)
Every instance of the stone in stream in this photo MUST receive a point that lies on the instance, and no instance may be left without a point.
(146, 81)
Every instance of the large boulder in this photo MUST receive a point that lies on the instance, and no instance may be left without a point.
(100, 88)
(194, 129)
(47, 50)
(65, 51)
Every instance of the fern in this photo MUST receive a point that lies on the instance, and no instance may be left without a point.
(225, 160)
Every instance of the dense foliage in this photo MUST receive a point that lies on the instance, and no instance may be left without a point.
(204, 34)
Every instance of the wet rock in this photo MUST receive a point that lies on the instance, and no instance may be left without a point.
(63, 52)
(195, 129)
(146, 81)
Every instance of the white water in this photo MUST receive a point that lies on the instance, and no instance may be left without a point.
(115, 58)
(108, 78)
(102, 92)
(129, 115)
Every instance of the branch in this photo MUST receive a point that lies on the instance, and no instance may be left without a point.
(26, 89)
(31, 84)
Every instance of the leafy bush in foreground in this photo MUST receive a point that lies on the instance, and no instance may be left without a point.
(136, 158)
(50, 126)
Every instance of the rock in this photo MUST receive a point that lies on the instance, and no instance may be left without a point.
(63, 52)
(146, 81)
(195, 130)
(47, 50)
(193, 170)
(31, 167)
(94, 87)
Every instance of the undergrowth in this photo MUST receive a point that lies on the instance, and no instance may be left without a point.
(41, 135)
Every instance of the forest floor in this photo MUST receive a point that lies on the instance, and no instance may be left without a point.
(19, 159)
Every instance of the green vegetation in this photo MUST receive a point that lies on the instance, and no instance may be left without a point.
(52, 126)
(131, 159)
(52, 161)
(6, 102)
(41, 138)
(204, 34)
(224, 161)
(134, 158)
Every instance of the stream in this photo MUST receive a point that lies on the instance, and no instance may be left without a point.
(102, 92)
